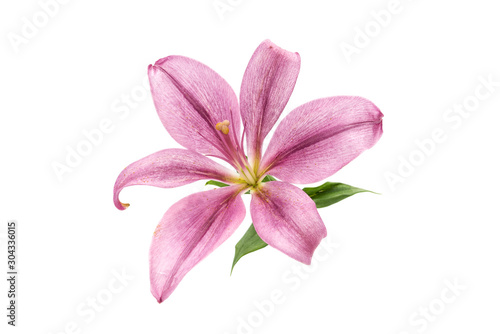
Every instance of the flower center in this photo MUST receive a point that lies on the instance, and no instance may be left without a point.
(237, 156)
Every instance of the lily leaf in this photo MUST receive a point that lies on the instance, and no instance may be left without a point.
(216, 183)
(248, 244)
(325, 195)
(332, 192)
(268, 178)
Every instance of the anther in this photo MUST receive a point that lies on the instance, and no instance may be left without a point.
(223, 127)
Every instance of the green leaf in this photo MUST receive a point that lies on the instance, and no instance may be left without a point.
(248, 244)
(216, 183)
(332, 192)
(268, 178)
(325, 195)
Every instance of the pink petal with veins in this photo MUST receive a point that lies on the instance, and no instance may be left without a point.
(286, 218)
(190, 230)
(267, 85)
(320, 137)
(170, 168)
(191, 99)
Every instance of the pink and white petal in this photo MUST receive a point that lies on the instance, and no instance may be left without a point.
(320, 137)
(190, 230)
(191, 99)
(267, 85)
(170, 168)
(287, 219)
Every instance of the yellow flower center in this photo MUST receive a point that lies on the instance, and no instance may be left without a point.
(247, 173)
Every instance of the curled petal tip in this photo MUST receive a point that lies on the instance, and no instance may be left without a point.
(124, 205)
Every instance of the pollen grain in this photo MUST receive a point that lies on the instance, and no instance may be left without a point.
(223, 127)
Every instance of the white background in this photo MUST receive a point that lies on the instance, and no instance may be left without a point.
(395, 251)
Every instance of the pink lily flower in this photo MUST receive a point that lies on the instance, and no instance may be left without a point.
(201, 112)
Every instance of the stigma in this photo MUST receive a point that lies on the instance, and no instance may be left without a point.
(223, 127)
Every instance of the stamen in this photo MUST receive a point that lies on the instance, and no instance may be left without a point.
(223, 127)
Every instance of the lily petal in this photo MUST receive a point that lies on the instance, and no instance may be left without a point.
(320, 137)
(170, 168)
(267, 85)
(287, 219)
(191, 99)
(190, 230)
